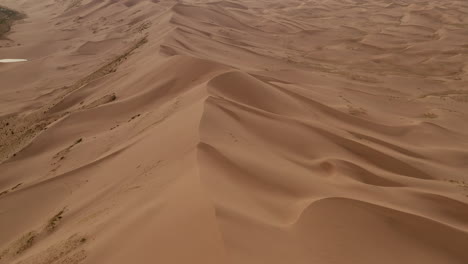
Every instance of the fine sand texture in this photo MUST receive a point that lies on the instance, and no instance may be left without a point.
(234, 132)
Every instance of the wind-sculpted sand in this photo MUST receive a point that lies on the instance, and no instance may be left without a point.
(238, 132)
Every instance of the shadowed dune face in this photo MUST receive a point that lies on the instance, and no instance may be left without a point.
(235, 132)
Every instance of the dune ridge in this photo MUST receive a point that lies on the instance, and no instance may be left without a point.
(235, 132)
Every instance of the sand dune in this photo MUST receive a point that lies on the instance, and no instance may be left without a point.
(234, 132)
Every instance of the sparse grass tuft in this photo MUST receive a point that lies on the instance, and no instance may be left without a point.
(356, 111)
(26, 242)
(54, 221)
(430, 115)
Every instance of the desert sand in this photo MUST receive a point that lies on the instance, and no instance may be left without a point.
(241, 132)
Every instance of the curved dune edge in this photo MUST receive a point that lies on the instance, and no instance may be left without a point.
(235, 132)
